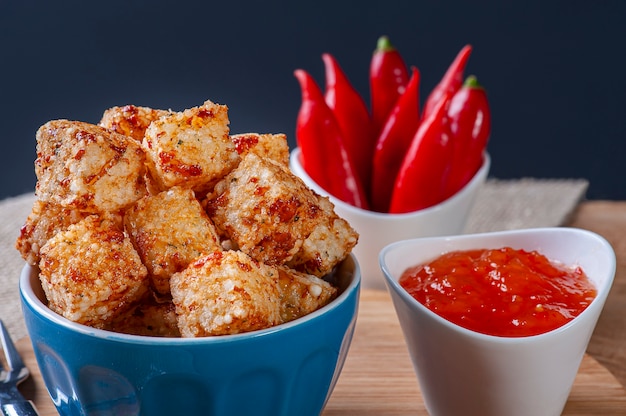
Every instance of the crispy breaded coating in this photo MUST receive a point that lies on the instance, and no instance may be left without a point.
(90, 272)
(43, 222)
(329, 243)
(88, 167)
(169, 230)
(148, 318)
(191, 148)
(273, 146)
(301, 294)
(266, 210)
(225, 292)
(130, 120)
(160, 223)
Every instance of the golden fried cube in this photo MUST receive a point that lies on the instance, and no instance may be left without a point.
(88, 167)
(265, 210)
(43, 222)
(301, 294)
(329, 243)
(148, 318)
(130, 120)
(225, 292)
(90, 272)
(191, 148)
(169, 230)
(273, 146)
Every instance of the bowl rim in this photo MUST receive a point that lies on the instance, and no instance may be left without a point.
(294, 160)
(30, 299)
(598, 302)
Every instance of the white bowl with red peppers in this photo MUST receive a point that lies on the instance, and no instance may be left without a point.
(376, 229)
(395, 170)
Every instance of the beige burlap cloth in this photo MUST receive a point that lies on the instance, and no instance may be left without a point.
(501, 205)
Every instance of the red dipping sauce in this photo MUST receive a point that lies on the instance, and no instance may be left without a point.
(502, 292)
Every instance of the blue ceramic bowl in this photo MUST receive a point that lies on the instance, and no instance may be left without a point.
(290, 369)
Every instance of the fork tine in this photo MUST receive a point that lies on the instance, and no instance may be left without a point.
(11, 401)
(14, 360)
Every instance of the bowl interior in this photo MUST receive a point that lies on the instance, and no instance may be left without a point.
(347, 209)
(569, 246)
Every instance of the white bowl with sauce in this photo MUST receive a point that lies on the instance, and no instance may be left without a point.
(463, 372)
(377, 229)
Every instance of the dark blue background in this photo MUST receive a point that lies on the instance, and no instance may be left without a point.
(554, 70)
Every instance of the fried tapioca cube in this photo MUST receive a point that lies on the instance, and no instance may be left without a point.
(88, 167)
(330, 242)
(147, 318)
(169, 230)
(130, 120)
(301, 293)
(191, 148)
(225, 292)
(90, 272)
(43, 222)
(273, 146)
(265, 210)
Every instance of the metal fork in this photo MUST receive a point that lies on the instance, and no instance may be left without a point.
(12, 403)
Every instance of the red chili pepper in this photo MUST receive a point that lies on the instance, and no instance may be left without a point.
(352, 116)
(324, 156)
(393, 142)
(470, 125)
(421, 179)
(388, 78)
(451, 81)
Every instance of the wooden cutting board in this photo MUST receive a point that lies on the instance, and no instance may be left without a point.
(378, 379)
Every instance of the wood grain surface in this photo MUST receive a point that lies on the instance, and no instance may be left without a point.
(378, 379)
(608, 343)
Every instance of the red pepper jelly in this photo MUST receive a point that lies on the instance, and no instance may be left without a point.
(501, 292)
